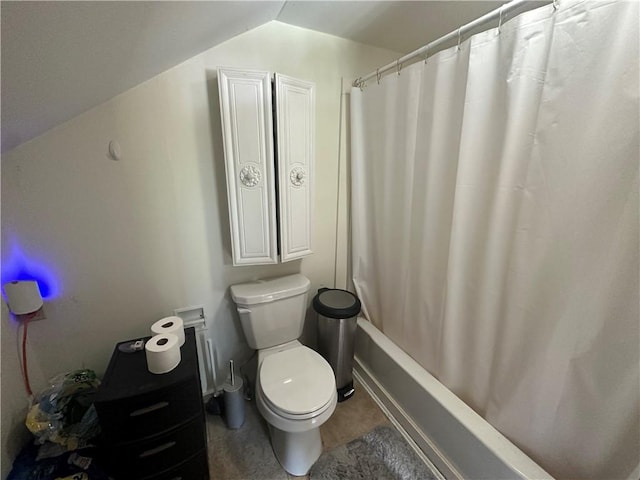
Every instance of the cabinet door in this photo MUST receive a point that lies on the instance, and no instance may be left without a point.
(247, 130)
(295, 118)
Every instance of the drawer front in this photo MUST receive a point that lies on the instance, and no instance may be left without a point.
(144, 415)
(162, 454)
(196, 468)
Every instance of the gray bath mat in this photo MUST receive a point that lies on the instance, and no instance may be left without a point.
(380, 454)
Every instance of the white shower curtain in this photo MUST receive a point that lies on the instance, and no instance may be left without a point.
(495, 228)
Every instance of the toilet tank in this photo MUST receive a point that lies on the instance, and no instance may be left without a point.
(272, 311)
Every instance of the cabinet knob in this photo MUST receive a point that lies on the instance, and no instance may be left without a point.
(297, 176)
(250, 176)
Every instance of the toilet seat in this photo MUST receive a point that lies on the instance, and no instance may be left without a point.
(297, 383)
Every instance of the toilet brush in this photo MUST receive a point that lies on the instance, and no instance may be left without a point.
(233, 400)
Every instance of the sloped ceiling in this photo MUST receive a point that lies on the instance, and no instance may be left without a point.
(62, 58)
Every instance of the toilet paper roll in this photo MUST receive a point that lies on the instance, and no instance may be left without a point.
(163, 353)
(169, 325)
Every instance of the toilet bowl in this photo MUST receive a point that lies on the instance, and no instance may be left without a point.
(295, 386)
(295, 394)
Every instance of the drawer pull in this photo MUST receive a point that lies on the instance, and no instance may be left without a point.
(155, 451)
(149, 409)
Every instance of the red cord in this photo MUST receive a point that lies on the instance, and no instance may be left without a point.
(24, 353)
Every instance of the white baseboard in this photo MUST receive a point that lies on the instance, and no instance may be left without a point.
(420, 443)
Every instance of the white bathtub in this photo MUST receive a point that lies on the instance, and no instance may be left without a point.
(459, 442)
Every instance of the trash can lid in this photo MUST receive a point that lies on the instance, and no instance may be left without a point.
(336, 303)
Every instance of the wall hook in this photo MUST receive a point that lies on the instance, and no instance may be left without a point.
(115, 152)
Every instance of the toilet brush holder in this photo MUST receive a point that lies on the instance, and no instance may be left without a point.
(233, 401)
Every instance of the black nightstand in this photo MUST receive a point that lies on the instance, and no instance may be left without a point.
(153, 426)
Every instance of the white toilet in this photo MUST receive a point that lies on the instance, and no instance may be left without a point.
(295, 386)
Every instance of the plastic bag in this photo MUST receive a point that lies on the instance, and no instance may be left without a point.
(64, 412)
(68, 466)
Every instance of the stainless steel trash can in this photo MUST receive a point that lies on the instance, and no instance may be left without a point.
(337, 320)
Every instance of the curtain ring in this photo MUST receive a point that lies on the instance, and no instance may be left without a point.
(459, 35)
(426, 54)
(500, 21)
(398, 66)
(378, 75)
(555, 5)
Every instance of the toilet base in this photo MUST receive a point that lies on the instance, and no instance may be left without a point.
(296, 451)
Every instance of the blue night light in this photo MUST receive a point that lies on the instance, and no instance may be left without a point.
(21, 267)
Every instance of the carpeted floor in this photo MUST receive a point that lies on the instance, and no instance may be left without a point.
(382, 454)
(358, 443)
(246, 454)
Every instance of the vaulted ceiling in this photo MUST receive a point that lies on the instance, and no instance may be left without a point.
(61, 58)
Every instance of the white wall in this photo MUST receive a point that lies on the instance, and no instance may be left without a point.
(131, 240)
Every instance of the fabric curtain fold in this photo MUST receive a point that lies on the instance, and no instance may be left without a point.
(495, 216)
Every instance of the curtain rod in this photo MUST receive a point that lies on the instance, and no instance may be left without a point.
(497, 14)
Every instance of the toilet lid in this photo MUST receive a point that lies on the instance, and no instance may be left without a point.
(297, 381)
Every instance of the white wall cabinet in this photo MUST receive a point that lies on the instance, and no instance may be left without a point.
(268, 125)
